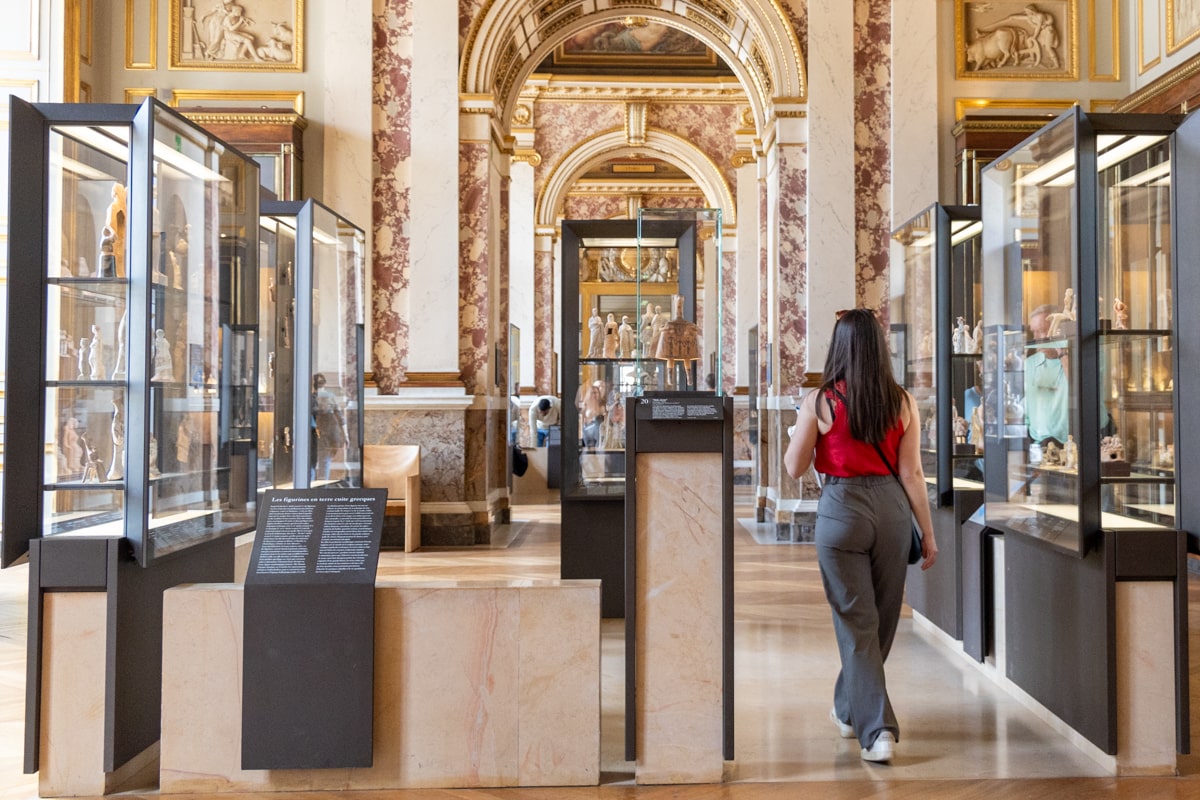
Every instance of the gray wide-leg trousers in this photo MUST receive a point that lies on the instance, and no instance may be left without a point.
(863, 536)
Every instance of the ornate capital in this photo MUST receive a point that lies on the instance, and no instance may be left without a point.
(531, 157)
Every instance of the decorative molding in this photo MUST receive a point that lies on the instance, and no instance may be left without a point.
(246, 118)
(531, 157)
(30, 53)
(971, 124)
(1094, 46)
(131, 61)
(741, 158)
(787, 113)
(434, 378)
(87, 24)
(85, 92)
(1143, 65)
(138, 95)
(188, 97)
(594, 186)
(964, 104)
(1187, 71)
(635, 123)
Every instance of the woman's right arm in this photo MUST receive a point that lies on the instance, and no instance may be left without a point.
(912, 478)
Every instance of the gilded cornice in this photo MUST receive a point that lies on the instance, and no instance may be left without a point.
(592, 186)
(791, 113)
(247, 118)
(994, 125)
(1184, 72)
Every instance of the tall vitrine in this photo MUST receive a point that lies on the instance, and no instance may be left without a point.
(1081, 419)
(132, 306)
(641, 301)
(935, 335)
(132, 298)
(1079, 291)
(310, 376)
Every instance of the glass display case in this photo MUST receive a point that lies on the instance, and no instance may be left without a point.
(1078, 347)
(937, 346)
(310, 386)
(132, 320)
(635, 294)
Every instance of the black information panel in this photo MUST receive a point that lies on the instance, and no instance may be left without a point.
(308, 649)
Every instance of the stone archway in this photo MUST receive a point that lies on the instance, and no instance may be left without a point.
(758, 41)
(665, 145)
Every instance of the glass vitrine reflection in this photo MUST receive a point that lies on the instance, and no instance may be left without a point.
(937, 342)
(314, 279)
(1077, 251)
(137, 239)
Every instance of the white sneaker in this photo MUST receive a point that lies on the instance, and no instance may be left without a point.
(882, 750)
(847, 731)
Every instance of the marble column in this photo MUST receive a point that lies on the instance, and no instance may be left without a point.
(392, 155)
(792, 281)
(474, 200)
(914, 129)
(746, 250)
(543, 313)
(832, 173)
(872, 148)
(728, 305)
(522, 299)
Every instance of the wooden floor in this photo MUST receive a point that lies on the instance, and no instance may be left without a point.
(961, 736)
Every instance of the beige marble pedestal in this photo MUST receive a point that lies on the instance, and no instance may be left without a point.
(476, 684)
(679, 593)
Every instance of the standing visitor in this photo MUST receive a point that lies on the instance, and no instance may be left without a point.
(856, 419)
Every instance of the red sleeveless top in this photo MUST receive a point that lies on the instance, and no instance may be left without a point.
(838, 453)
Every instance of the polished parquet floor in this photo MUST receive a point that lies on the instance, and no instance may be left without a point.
(961, 735)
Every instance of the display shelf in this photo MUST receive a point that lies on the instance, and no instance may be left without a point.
(1083, 315)
(112, 374)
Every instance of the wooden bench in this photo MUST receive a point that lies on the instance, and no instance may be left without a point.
(397, 468)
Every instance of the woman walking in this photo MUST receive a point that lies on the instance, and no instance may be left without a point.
(856, 424)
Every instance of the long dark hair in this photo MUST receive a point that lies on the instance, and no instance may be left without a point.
(858, 355)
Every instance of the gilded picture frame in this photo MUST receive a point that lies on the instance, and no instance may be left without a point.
(237, 35)
(1183, 23)
(1016, 40)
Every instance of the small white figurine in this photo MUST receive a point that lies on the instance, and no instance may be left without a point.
(164, 370)
(118, 373)
(1112, 449)
(626, 340)
(83, 358)
(1120, 314)
(959, 339)
(116, 469)
(96, 356)
(1070, 453)
(72, 451)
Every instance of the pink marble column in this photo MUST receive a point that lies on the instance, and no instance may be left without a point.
(543, 320)
(793, 267)
(764, 331)
(473, 265)
(503, 317)
(872, 154)
(729, 290)
(392, 148)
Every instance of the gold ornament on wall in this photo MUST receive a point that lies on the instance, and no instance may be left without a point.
(1016, 40)
(258, 35)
